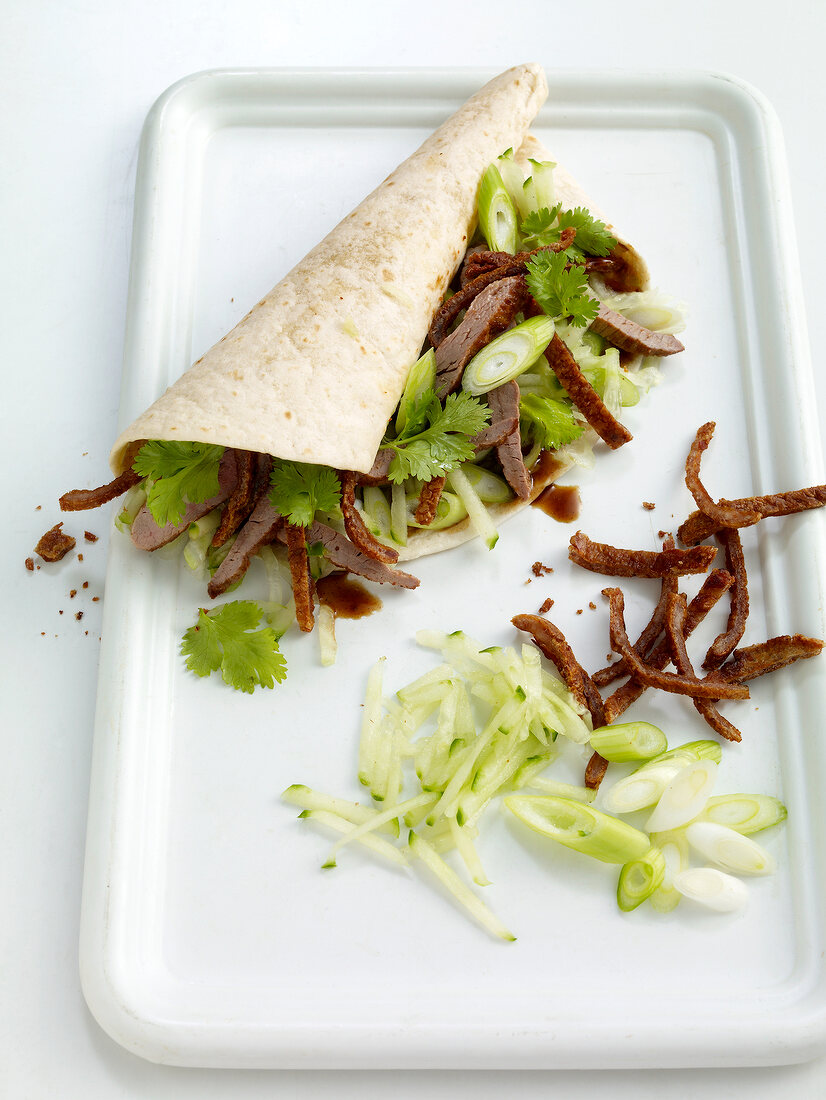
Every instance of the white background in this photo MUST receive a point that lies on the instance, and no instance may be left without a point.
(78, 81)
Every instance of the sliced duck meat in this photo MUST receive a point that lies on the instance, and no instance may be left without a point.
(583, 394)
(629, 336)
(344, 555)
(303, 586)
(616, 561)
(80, 500)
(259, 530)
(516, 265)
(479, 261)
(429, 499)
(147, 535)
(355, 526)
(490, 313)
(698, 526)
(241, 500)
(725, 515)
(504, 404)
(495, 433)
(378, 474)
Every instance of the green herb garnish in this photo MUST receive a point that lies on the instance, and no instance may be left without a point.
(550, 423)
(180, 473)
(560, 288)
(436, 438)
(298, 490)
(227, 639)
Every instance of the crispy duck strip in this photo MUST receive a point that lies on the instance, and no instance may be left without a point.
(355, 526)
(725, 642)
(629, 336)
(715, 584)
(241, 500)
(79, 500)
(259, 530)
(515, 265)
(725, 515)
(699, 527)
(504, 404)
(595, 771)
(584, 396)
(613, 561)
(674, 629)
(652, 677)
(756, 660)
(429, 499)
(303, 587)
(552, 642)
(652, 630)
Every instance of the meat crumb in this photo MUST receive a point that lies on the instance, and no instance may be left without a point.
(538, 569)
(592, 606)
(662, 534)
(648, 505)
(85, 584)
(30, 564)
(89, 536)
(79, 616)
(60, 612)
(95, 599)
(579, 611)
(546, 606)
(37, 509)
(72, 593)
(55, 544)
(80, 556)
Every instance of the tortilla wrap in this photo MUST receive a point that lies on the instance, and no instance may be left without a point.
(315, 370)
(571, 195)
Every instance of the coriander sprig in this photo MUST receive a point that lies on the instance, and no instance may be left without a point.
(298, 490)
(561, 288)
(226, 638)
(436, 438)
(179, 473)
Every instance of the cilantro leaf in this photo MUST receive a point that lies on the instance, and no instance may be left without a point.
(298, 490)
(550, 423)
(538, 227)
(561, 290)
(592, 236)
(436, 438)
(227, 639)
(180, 473)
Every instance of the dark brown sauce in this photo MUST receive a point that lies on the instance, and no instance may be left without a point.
(560, 502)
(545, 469)
(345, 597)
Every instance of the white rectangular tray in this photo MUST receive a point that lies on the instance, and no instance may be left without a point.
(209, 934)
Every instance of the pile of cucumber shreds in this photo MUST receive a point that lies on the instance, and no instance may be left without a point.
(464, 762)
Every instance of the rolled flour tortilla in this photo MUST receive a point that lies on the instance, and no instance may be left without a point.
(571, 195)
(315, 370)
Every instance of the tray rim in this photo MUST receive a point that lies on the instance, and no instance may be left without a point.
(115, 1006)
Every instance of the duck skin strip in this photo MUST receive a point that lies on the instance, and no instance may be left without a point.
(725, 515)
(699, 527)
(303, 587)
(756, 660)
(714, 586)
(724, 643)
(241, 501)
(552, 642)
(667, 681)
(355, 526)
(613, 561)
(674, 630)
(429, 499)
(584, 396)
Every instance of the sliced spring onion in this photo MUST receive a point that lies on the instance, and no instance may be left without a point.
(675, 853)
(376, 512)
(338, 824)
(398, 514)
(512, 175)
(639, 879)
(327, 635)
(508, 355)
(497, 214)
(462, 893)
(729, 849)
(580, 827)
(684, 797)
(449, 511)
(478, 514)
(489, 487)
(561, 790)
(642, 788)
(308, 799)
(370, 722)
(629, 741)
(421, 377)
(712, 888)
(691, 750)
(542, 174)
(747, 813)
